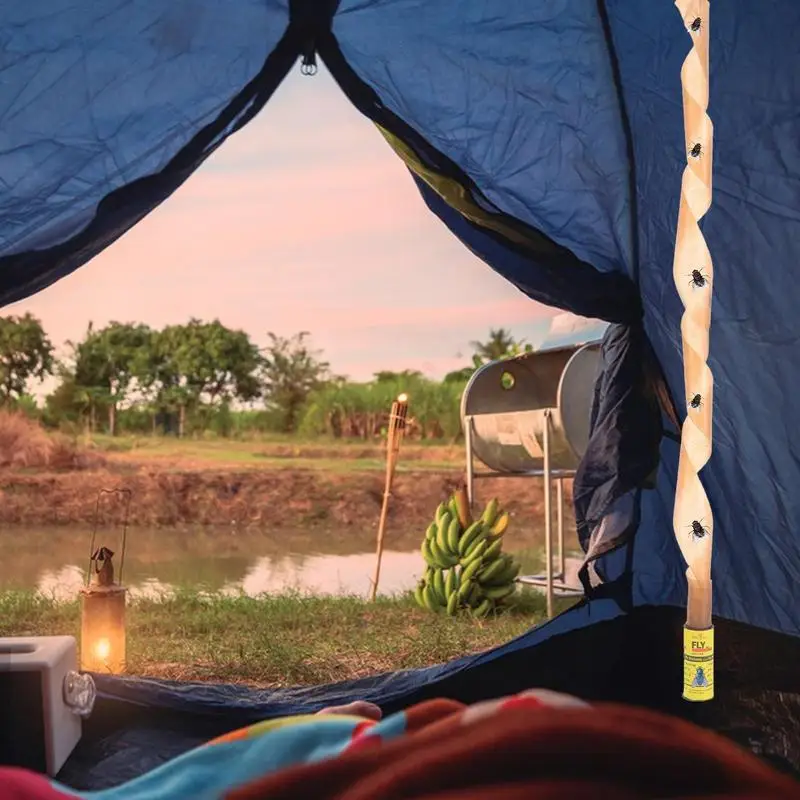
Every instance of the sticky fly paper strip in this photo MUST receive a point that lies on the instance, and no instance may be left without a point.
(693, 271)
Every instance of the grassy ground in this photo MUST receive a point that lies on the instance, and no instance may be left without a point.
(280, 640)
(277, 485)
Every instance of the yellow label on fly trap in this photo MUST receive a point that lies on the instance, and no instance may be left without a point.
(698, 665)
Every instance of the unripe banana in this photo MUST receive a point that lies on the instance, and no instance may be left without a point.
(453, 506)
(501, 576)
(465, 565)
(465, 590)
(490, 513)
(498, 593)
(501, 525)
(453, 534)
(438, 585)
(435, 600)
(475, 552)
(431, 600)
(493, 550)
(469, 536)
(484, 607)
(424, 596)
(427, 554)
(452, 604)
(451, 583)
(470, 570)
(441, 538)
(432, 550)
(475, 596)
(493, 572)
(436, 555)
(442, 558)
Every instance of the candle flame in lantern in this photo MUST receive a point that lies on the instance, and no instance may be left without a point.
(102, 649)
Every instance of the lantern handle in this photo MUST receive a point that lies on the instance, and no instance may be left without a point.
(127, 493)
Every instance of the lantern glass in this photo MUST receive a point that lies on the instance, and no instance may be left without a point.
(103, 629)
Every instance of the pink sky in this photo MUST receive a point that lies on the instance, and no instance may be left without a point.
(305, 220)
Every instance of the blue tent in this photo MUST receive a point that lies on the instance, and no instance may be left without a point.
(548, 137)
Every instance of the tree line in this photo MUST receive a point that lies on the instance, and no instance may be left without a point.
(200, 377)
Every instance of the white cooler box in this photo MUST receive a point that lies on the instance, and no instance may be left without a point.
(38, 728)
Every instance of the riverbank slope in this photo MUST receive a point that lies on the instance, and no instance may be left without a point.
(251, 486)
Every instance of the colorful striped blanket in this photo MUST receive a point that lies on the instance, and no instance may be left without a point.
(535, 745)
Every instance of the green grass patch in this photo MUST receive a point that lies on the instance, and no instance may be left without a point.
(286, 640)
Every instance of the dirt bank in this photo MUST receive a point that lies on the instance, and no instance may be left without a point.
(247, 498)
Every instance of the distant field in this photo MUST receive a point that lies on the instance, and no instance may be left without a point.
(274, 452)
(51, 480)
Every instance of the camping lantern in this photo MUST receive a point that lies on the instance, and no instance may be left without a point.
(103, 600)
(103, 618)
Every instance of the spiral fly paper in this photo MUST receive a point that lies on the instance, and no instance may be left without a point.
(694, 280)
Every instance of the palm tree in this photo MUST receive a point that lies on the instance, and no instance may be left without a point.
(500, 343)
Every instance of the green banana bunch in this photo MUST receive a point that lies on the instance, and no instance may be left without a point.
(465, 566)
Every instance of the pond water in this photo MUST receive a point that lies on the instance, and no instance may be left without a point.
(55, 561)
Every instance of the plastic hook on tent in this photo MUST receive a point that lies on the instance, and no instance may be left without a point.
(308, 65)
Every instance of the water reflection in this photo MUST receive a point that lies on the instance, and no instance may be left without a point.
(325, 574)
(158, 562)
(62, 584)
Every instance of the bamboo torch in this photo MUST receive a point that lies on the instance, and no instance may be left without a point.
(397, 427)
(693, 272)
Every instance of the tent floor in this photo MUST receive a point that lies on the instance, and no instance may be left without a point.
(633, 659)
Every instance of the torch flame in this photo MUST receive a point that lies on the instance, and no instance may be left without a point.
(402, 398)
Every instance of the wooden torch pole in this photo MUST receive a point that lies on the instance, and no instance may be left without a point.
(397, 426)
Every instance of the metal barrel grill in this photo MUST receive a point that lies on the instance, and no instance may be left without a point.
(529, 416)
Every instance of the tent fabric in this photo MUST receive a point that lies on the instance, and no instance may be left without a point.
(521, 97)
(107, 107)
(753, 222)
(561, 122)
